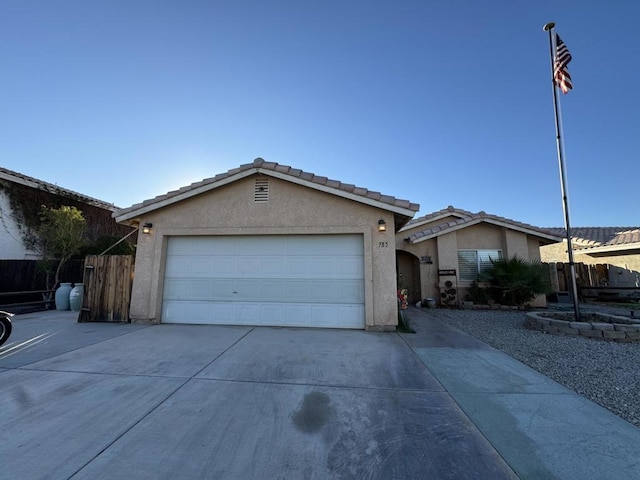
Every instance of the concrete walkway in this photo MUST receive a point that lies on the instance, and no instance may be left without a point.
(111, 401)
(542, 429)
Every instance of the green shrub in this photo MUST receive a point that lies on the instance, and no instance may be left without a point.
(479, 295)
(515, 281)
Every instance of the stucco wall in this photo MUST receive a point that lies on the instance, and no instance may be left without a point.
(481, 237)
(533, 246)
(291, 209)
(557, 252)
(516, 245)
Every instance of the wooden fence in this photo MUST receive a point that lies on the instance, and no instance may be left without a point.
(107, 284)
(586, 275)
(23, 283)
(593, 283)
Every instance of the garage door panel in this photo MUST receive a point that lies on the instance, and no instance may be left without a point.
(350, 267)
(201, 289)
(265, 280)
(249, 266)
(350, 246)
(277, 314)
(187, 289)
(256, 290)
(277, 267)
(246, 313)
(269, 245)
(326, 267)
(225, 266)
(188, 266)
(334, 316)
(175, 311)
(349, 291)
(297, 266)
(274, 266)
(346, 315)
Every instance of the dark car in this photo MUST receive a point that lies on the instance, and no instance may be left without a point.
(5, 326)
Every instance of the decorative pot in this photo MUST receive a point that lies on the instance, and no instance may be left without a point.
(75, 297)
(62, 296)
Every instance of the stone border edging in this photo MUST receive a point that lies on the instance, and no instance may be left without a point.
(624, 330)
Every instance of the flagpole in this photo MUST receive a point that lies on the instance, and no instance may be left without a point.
(549, 27)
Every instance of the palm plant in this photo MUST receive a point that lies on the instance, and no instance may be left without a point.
(515, 281)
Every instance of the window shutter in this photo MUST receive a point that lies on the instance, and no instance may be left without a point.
(467, 264)
(485, 256)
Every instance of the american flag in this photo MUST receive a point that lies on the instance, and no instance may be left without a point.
(560, 73)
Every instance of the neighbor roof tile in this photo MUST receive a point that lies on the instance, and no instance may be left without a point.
(11, 176)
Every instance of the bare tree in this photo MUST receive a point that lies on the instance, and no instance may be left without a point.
(62, 235)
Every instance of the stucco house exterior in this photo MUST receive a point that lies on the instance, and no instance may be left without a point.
(445, 251)
(21, 199)
(267, 244)
(617, 247)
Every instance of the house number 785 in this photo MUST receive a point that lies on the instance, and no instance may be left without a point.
(383, 244)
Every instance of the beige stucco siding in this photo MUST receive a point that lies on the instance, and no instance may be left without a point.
(443, 250)
(429, 271)
(516, 244)
(480, 237)
(624, 260)
(557, 252)
(447, 247)
(533, 246)
(291, 209)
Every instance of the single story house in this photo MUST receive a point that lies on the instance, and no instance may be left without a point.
(21, 200)
(267, 244)
(440, 254)
(616, 247)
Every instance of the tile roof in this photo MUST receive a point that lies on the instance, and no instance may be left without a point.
(274, 169)
(466, 218)
(626, 237)
(31, 182)
(445, 212)
(601, 236)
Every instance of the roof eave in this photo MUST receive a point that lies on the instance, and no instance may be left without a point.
(425, 221)
(132, 213)
(534, 233)
(55, 190)
(611, 248)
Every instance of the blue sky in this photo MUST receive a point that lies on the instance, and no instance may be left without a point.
(441, 103)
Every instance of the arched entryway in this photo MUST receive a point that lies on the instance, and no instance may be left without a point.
(408, 275)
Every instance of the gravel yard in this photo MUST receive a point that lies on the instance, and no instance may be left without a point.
(607, 373)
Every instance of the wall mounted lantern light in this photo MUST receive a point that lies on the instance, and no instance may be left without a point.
(146, 228)
(382, 225)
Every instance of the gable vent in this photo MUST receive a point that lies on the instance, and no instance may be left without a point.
(261, 194)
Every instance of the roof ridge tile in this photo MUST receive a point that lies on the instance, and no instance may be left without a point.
(261, 164)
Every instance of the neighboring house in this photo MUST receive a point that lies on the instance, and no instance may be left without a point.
(617, 247)
(267, 244)
(21, 200)
(446, 250)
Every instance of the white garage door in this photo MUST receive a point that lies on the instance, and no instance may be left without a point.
(277, 280)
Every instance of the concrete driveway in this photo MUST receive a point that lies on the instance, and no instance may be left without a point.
(112, 401)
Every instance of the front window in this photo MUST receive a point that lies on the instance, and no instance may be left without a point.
(472, 262)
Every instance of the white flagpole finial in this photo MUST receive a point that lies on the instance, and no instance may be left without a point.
(548, 26)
